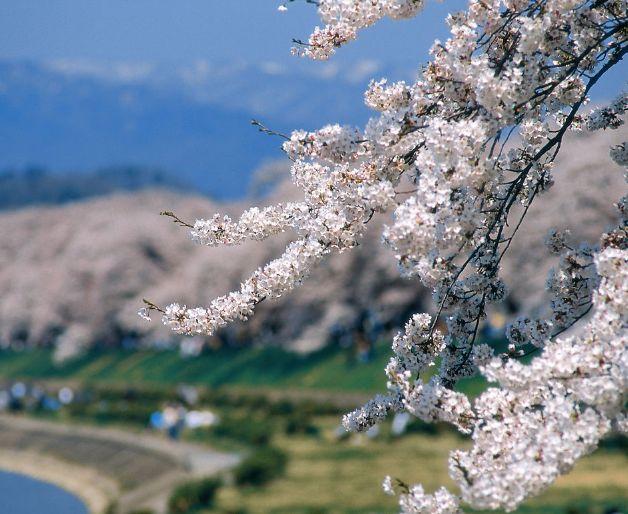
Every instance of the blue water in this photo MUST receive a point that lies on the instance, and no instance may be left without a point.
(20, 494)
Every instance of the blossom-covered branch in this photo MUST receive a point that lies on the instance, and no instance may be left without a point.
(509, 67)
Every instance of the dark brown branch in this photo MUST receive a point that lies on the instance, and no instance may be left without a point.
(152, 307)
(176, 219)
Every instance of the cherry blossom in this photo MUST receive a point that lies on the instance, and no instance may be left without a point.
(439, 158)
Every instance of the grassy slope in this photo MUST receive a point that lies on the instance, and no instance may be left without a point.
(329, 369)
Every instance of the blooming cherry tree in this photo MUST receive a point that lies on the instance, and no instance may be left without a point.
(440, 157)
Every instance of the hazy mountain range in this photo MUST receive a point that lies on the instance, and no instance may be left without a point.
(192, 120)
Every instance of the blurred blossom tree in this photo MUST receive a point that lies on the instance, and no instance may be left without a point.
(510, 67)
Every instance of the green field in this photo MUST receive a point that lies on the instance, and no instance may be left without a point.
(328, 476)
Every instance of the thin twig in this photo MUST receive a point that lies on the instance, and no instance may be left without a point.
(152, 307)
(263, 128)
(176, 219)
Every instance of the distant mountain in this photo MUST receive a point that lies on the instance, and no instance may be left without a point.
(36, 186)
(192, 120)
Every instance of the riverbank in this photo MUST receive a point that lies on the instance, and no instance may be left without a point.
(104, 466)
(95, 490)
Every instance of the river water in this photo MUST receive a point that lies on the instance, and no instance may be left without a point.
(20, 494)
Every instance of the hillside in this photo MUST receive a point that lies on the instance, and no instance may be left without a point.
(330, 369)
(75, 275)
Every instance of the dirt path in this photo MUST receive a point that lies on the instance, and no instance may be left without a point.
(105, 465)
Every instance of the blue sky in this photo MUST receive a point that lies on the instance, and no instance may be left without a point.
(169, 32)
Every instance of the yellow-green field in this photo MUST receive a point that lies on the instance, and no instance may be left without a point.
(329, 476)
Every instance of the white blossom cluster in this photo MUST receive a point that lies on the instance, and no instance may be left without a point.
(417, 502)
(256, 224)
(611, 117)
(619, 153)
(383, 97)
(549, 413)
(509, 65)
(570, 284)
(344, 18)
(332, 143)
(338, 203)
(608, 117)
(372, 413)
(414, 499)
